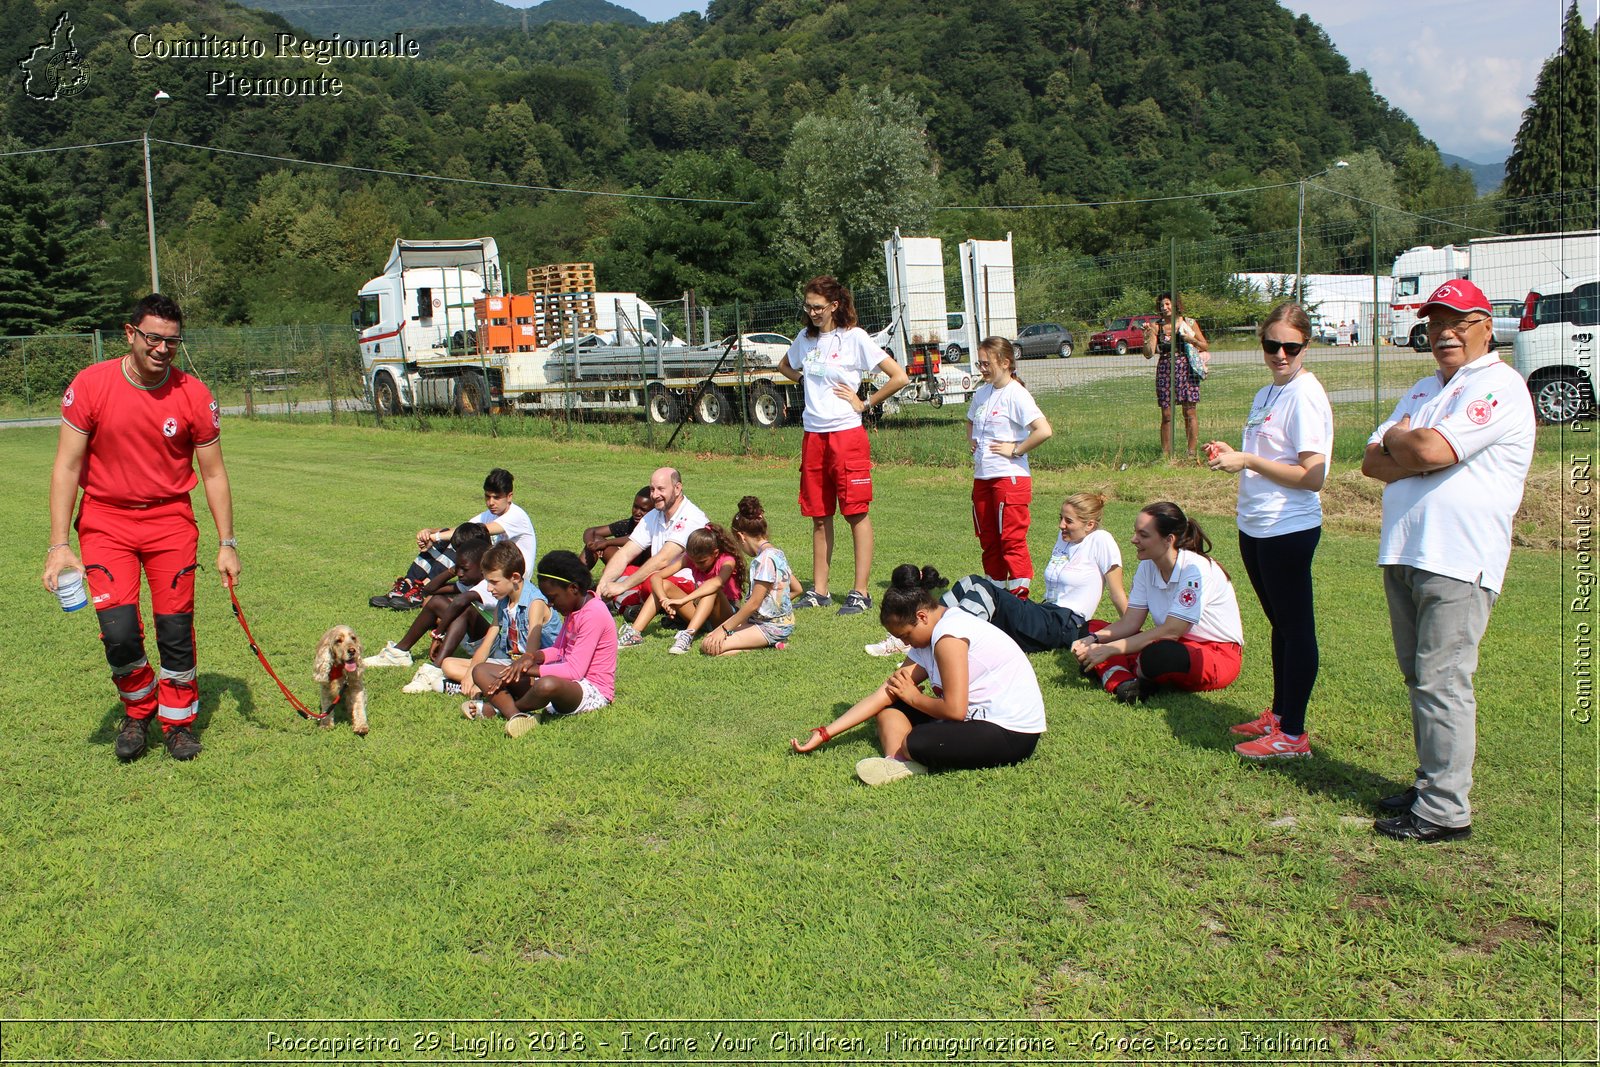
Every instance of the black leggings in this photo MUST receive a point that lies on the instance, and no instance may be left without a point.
(1033, 626)
(947, 745)
(1280, 571)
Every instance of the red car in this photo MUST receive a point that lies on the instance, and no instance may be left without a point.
(1121, 335)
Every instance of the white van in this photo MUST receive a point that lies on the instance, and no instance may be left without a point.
(1556, 347)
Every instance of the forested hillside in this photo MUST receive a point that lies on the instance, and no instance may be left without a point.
(1024, 102)
(374, 18)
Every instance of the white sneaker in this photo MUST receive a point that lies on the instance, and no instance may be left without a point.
(391, 656)
(889, 646)
(681, 643)
(428, 679)
(881, 770)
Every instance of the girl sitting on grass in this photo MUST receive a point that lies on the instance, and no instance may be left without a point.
(1197, 639)
(985, 709)
(766, 618)
(718, 571)
(576, 674)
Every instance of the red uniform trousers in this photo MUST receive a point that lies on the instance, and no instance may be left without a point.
(1000, 517)
(1211, 665)
(636, 595)
(115, 543)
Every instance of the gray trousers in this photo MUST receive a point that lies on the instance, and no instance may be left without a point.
(1438, 623)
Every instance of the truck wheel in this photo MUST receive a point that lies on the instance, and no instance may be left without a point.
(766, 406)
(713, 407)
(463, 343)
(1122, 348)
(1561, 397)
(472, 394)
(1419, 339)
(953, 353)
(662, 405)
(385, 395)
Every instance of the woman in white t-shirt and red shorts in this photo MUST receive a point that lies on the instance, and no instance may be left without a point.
(831, 357)
(1004, 424)
(1197, 641)
(1282, 466)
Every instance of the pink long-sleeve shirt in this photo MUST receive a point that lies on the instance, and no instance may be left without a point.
(586, 647)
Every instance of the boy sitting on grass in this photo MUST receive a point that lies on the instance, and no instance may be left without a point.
(521, 610)
(434, 565)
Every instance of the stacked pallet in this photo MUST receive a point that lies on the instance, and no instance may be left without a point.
(561, 278)
(563, 300)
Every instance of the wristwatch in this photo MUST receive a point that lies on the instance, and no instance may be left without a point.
(228, 542)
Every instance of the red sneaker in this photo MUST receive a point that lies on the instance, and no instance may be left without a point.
(1276, 745)
(1257, 727)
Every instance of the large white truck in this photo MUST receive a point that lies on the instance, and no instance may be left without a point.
(914, 269)
(421, 350)
(1507, 269)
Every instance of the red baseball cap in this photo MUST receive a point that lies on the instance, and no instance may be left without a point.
(1458, 294)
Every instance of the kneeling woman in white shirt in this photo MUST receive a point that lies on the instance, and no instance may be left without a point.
(984, 710)
(1197, 640)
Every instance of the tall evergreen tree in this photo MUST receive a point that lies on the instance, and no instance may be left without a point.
(1556, 144)
(53, 277)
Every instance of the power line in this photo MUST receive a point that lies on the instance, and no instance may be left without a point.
(65, 148)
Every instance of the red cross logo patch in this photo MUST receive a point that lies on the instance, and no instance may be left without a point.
(1186, 598)
(169, 428)
(1480, 411)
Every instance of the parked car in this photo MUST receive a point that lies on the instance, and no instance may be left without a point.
(1507, 321)
(958, 339)
(1121, 335)
(1044, 339)
(1555, 347)
(768, 346)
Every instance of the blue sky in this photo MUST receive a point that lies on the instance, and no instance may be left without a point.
(1462, 69)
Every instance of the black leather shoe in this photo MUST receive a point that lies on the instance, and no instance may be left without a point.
(130, 739)
(1409, 827)
(1399, 801)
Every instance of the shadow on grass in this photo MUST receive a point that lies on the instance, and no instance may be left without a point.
(212, 688)
(1202, 723)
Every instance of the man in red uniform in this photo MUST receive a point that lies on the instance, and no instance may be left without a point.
(131, 430)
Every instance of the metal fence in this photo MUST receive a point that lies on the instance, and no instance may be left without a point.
(1100, 399)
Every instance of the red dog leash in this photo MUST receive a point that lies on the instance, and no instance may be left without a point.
(294, 701)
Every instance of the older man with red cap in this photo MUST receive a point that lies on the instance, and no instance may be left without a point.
(1453, 458)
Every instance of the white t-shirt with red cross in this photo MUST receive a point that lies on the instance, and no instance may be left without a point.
(141, 439)
(1001, 685)
(1457, 521)
(838, 357)
(1284, 421)
(1198, 592)
(656, 529)
(1000, 415)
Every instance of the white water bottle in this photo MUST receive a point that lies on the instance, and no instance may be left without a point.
(70, 590)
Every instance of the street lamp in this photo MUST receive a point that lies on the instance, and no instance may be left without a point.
(149, 200)
(1299, 225)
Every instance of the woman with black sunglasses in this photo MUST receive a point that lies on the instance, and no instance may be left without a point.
(1282, 465)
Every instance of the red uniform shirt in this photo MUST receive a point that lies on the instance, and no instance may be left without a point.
(141, 441)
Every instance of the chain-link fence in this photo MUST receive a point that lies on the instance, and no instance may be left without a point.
(713, 385)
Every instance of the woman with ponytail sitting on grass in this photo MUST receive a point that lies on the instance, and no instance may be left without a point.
(1197, 640)
(984, 710)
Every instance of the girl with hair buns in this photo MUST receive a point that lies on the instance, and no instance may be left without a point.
(717, 570)
(766, 618)
(1004, 424)
(1197, 639)
(1281, 467)
(984, 709)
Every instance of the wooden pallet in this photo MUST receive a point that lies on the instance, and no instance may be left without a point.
(561, 278)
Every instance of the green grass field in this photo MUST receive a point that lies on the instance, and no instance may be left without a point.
(1132, 892)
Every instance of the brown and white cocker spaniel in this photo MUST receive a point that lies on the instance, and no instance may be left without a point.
(338, 671)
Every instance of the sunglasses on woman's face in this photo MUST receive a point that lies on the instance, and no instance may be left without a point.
(1292, 348)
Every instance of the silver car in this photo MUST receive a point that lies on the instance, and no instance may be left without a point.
(1044, 339)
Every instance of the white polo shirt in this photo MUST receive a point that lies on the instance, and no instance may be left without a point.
(1001, 685)
(1000, 415)
(838, 357)
(1284, 421)
(655, 530)
(1075, 577)
(1457, 521)
(1198, 593)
